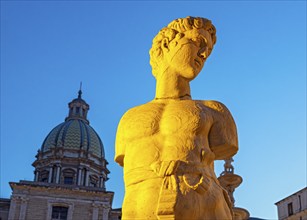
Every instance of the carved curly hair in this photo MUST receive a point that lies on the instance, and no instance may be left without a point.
(176, 29)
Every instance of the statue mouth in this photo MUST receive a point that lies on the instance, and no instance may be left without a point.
(198, 63)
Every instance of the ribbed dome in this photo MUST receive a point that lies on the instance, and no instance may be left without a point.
(75, 133)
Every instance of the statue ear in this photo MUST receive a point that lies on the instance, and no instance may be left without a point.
(164, 44)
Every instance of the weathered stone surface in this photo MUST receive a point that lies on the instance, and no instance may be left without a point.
(168, 145)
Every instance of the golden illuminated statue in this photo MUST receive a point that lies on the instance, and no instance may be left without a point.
(168, 145)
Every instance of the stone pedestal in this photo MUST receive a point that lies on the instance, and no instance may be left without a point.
(230, 181)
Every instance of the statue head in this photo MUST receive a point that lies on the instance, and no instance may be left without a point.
(169, 37)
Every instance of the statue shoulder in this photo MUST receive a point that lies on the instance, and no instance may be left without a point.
(223, 137)
(129, 116)
(147, 109)
(138, 122)
(130, 113)
(121, 135)
(216, 106)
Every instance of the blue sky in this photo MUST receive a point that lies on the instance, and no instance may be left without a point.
(257, 69)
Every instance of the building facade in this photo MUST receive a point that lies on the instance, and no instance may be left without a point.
(293, 207)
(69, 176)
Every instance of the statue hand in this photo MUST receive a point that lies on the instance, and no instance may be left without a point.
(165, 168)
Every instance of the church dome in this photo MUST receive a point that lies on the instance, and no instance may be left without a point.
(75, 133)
(72, 153)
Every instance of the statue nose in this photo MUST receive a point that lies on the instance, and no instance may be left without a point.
(203, 52)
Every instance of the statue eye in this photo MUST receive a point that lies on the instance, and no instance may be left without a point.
(196, 41)
(203, 42)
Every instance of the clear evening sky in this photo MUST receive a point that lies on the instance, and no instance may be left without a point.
(257, 69)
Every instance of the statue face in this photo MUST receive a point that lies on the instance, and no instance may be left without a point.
(187, 55)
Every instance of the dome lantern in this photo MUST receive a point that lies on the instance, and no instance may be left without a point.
(78, 109)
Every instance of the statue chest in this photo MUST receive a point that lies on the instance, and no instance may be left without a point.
(143, 121)
(185, 117)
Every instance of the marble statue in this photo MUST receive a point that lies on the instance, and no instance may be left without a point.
(167, 146)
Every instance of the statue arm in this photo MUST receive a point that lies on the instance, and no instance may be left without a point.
(120, 142)
(223, 139)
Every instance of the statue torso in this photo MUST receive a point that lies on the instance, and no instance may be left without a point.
(152, 135)
(166, 130)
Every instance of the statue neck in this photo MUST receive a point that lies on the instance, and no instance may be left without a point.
(171, 86)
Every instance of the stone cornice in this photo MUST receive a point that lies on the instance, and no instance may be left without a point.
(64, 189)
(70, 160)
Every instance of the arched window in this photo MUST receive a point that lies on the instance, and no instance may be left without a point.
(68, 176)
(54, 168)
(93, 181)
(59, 213)
(84, 176)
(44, 175)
